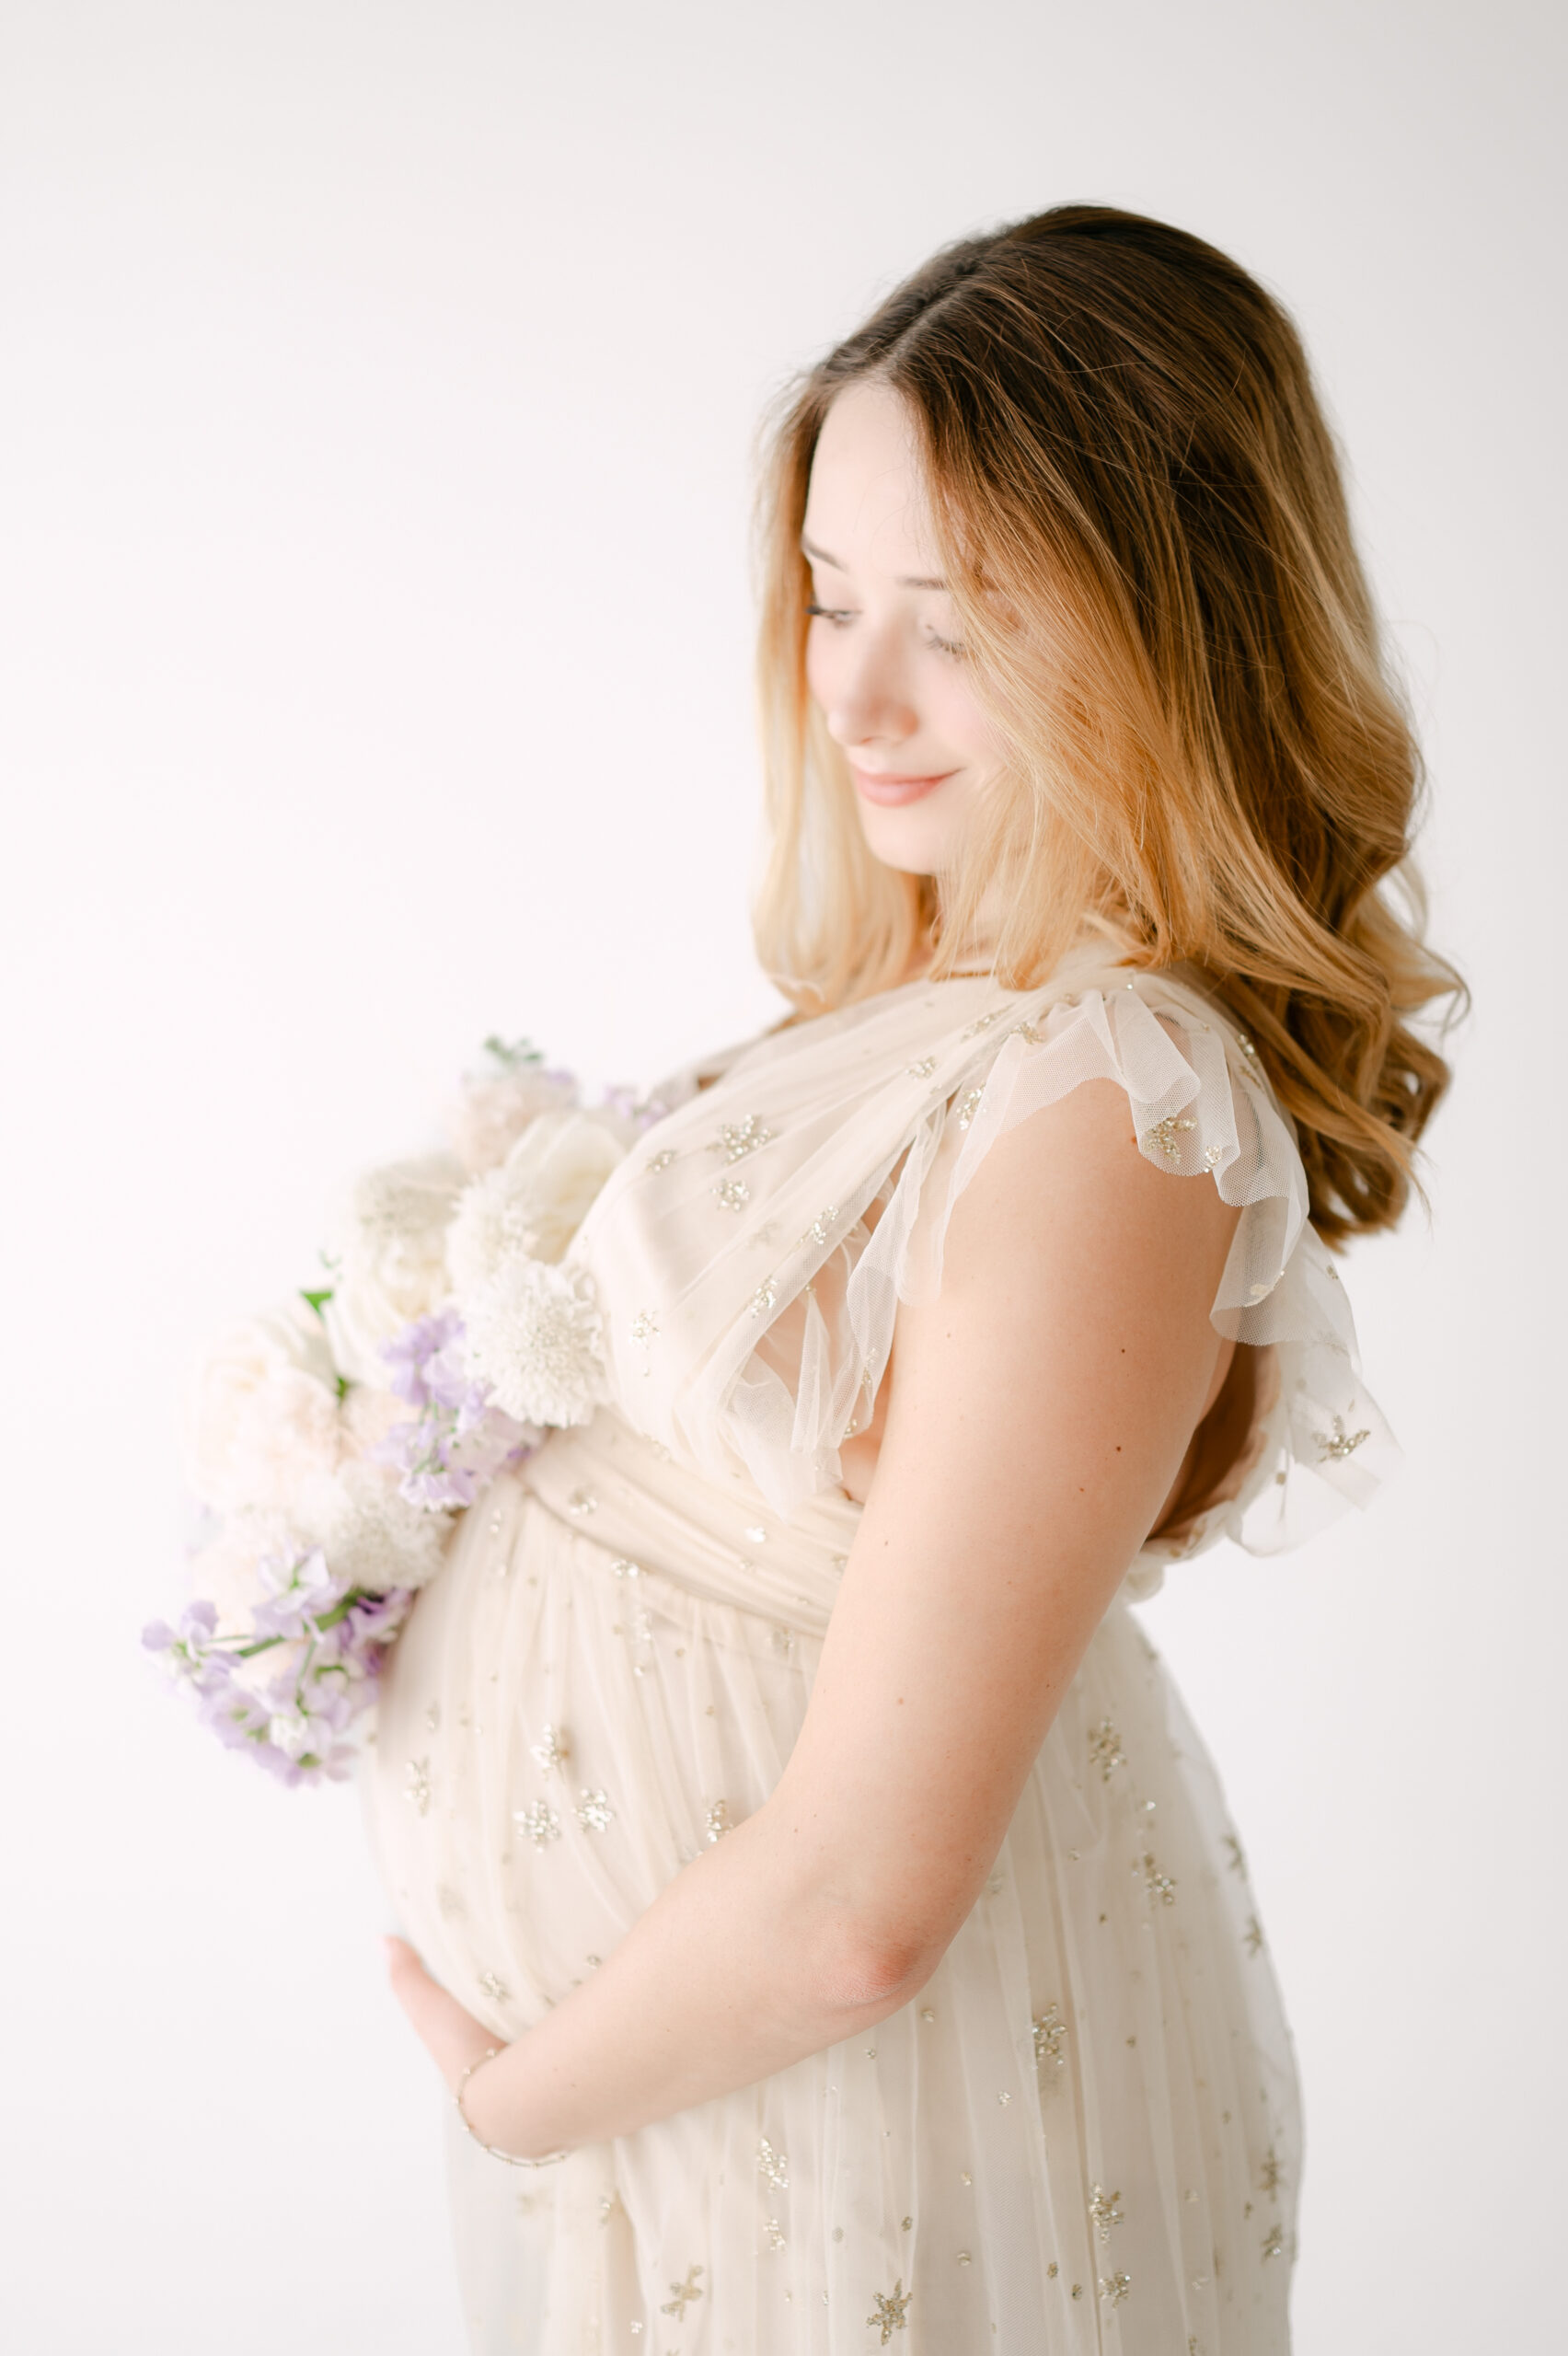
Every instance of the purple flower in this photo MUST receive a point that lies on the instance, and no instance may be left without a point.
(197, 1625)
(301, 1591)
(459, 1441)
(636, 1113)
(192, 1649)
(375, 1621)
(409, 1352)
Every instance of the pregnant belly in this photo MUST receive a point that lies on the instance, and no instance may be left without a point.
(563, 1725)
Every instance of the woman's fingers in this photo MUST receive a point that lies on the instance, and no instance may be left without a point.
(452, 2037)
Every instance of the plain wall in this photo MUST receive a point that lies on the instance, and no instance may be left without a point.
(375, 421)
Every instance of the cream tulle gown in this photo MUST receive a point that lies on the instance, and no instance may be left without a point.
(1084, 2133)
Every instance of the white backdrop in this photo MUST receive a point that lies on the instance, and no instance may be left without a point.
(374, 429)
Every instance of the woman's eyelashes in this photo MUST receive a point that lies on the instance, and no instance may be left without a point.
(841, 615)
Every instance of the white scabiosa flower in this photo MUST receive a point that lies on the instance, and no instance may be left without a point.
(370, 1535)
(533, 1206)
(536, 1338)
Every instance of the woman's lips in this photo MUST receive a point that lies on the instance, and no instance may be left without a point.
(893, 792)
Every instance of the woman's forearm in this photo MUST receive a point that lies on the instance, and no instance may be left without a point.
(735, 1971)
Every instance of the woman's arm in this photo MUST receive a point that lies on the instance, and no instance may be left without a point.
(1040, 1408)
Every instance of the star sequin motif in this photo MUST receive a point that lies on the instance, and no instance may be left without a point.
(1162, 1887)
(417, 1786)
(495, 1987)
(1049, 2030)
(593, 1812)
(716, 1823)
(890, 2312)
(1253, 1936)
(970, 1106)
(1235, 1856)
(737, 1138)
(684, 2293)
(1268, 2174)
(1102, 2209)
(540, 1823)
(1105, 1749)
(1334, 1446)
(773, 2164)
(1273, 2242)
(1114, 2288)
(731, 1193)
(551, 1751)
(1166, 1135)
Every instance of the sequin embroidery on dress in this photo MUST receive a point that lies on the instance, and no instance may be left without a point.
(1083, 2134)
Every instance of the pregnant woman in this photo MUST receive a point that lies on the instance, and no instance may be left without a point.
(814, 1895)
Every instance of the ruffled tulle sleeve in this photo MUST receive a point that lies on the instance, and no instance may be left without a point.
(1201, 1112)
(751, 1251)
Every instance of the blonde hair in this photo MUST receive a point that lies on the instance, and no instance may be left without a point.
(1141, 515)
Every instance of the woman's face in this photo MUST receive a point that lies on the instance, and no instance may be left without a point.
(883, 658)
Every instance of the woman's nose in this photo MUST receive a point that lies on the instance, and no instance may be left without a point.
(869, 699)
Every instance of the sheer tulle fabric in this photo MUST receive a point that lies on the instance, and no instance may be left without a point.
(1083, 2134)
(750, 1307)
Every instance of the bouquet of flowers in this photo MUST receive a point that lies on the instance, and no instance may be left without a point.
(333, 1443)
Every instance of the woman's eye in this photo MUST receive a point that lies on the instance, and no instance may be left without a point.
(946, 646)
(838, 615)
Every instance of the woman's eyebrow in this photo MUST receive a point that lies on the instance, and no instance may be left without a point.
(905, 581)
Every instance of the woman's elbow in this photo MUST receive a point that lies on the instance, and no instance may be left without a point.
(863, 1968)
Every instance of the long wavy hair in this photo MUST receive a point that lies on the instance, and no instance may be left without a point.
(1141, 514)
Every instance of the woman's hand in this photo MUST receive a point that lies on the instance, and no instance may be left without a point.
(452, 2038)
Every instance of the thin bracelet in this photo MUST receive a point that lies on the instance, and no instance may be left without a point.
(511, 2158)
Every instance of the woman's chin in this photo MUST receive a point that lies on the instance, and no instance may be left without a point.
(918, 840)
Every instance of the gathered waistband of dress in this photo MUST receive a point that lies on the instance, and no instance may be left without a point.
(629, 1495)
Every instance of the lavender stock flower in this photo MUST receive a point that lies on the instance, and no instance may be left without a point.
(625, 1104)
(459, 1441)
(300, 1723)
(300, 1591)
(190, 1648)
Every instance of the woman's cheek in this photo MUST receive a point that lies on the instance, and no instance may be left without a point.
(820, 681)
(967, 726)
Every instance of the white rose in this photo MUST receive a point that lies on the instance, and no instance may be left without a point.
(493, 1112)
(389, 1248)
(263, 1412)
(532, 1206)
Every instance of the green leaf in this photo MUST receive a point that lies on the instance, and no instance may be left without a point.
(317, 1301)
(510, 1053)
